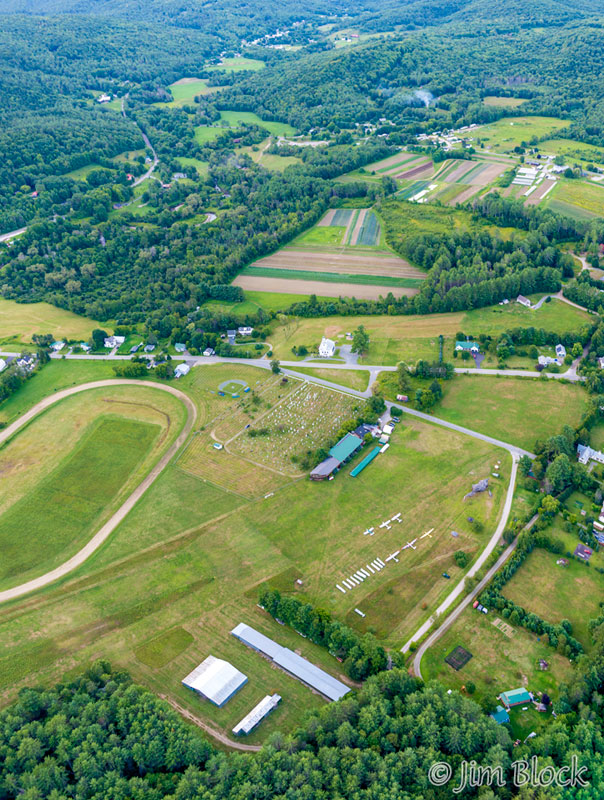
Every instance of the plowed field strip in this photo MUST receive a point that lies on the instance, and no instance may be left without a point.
(412, 173)
(330, 262)
(284, 286)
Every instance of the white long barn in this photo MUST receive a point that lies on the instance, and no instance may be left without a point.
(216, 680)
(257, 714)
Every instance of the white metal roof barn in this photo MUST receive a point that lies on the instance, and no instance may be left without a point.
(216, 680)
(297, 666)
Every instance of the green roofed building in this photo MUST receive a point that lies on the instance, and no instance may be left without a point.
(500, 715)
(471, 347)
(367, 460)
(515, 697)
(346, 447)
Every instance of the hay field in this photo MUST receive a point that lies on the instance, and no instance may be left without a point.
(19, 321)
(509, 132)
(585, 199)
(504, 102)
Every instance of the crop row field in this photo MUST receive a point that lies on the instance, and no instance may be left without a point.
(318, 286)
(344, 251)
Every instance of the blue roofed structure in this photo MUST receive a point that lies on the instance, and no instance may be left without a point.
(346, 447)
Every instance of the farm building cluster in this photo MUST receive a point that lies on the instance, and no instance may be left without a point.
(348, 446)
(218, 680)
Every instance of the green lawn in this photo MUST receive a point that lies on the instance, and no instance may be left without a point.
(207, 133)
(185, 90)
(200, 166)
(515, 410)
(352, 378)
(555, 593)
(321, 234)
(236, 64)
(499, 662)
(60, 513)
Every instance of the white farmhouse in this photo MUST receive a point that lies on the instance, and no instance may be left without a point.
(327, 348)
(181, 369)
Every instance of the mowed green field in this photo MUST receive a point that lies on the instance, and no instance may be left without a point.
(516, 410)
(236, 64)
(503, 658)
(408, 338)
(509, 132)
(576, 152)
(66, 470)
(19, 321)
(352, 378)
(503, 102)
(185, 567)
(555, 593)
(235, 118)
(63, 507)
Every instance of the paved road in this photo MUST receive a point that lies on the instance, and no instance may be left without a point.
(108, 528)
(417, 659)
(5, 237)
(452, 597)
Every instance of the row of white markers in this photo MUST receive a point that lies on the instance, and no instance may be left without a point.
(361, 574)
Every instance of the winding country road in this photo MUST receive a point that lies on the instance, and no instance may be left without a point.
(111, 524)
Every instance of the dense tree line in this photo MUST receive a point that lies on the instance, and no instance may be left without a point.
(361, 655)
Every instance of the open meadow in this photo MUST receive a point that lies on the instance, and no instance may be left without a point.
(577, 198)
(409, 338)
(509, 132)
(19, 321)
(515, 410)
(185, 565)
(555, 592)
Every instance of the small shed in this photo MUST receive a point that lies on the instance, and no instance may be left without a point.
(500, 715)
